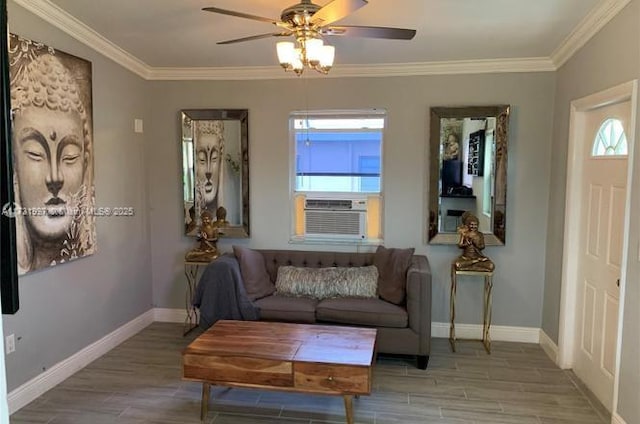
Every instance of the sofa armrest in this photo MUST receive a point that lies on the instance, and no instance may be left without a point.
(419, 301)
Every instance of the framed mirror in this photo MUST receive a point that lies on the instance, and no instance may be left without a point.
(468, 171)
(215, 168)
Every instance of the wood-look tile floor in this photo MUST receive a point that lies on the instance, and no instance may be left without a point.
(140, 382)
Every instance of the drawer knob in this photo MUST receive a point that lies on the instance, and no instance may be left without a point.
(330, 378)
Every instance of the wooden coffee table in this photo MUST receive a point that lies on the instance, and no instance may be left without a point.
(301, 358)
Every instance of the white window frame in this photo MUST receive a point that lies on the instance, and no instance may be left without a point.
(328, 239)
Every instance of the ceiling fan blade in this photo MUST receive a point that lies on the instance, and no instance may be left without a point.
(255, 37)
(336, 10)
(239, 14)
(370, 32)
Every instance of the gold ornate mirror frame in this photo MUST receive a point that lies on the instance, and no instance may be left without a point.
(215, 167)
(468, 171)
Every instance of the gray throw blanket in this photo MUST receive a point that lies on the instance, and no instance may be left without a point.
(220, 294)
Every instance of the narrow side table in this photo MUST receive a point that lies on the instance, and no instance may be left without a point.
(191, 271)
(486, 325)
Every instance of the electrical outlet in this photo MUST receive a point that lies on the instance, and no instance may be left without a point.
(10, 344)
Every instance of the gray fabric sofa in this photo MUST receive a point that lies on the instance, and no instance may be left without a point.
(402, 329)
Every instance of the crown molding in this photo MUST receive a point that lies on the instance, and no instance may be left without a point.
(586, 29)
(218, 73)
(453, 67)
(535, 64)
(81, 32)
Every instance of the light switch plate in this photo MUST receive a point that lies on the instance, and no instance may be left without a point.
(137, 126)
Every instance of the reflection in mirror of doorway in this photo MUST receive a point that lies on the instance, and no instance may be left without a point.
(467, 172)
(466, 182)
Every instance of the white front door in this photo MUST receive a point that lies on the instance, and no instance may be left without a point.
(603, 200)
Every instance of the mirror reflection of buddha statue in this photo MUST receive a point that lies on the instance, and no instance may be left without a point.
(221, 219)
(207, 237)
(471, 241)
(451, 147)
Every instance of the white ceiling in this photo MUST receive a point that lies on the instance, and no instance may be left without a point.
(177, 34)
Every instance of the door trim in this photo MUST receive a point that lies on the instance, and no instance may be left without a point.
(568, 307)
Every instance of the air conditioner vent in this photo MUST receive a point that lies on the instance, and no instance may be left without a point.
(336, 204)
(336, 223)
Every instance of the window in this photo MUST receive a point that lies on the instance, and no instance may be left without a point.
(338, 153)
(610, 139)
(337, 174)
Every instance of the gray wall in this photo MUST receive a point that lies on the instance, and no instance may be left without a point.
(609, 58)
(68, 307)
(519, 280)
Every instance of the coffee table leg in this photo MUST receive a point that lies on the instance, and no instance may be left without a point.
(348, 407)
(204, 407)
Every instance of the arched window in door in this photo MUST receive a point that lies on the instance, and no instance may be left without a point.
(610, 139)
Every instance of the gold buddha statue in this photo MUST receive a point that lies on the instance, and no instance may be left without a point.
(471, 241)
(208, 238)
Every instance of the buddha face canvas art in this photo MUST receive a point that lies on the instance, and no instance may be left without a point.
(52, 145)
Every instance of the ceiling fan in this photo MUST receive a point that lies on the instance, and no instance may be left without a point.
(309, 23)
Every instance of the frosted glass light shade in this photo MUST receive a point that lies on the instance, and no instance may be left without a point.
(314, 50)
(327, 56)
(286, 52)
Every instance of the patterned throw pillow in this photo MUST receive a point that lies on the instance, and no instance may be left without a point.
(324, 283)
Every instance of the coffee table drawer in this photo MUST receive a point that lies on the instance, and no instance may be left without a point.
(339, 379)
(234, 369)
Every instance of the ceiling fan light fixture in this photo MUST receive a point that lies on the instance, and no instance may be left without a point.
(308, 23)
(311, 52)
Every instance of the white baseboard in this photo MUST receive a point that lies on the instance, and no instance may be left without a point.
(501, 333)
(550, 348)
(438, 329)
(55, 375)
(169, 315)
(617, 419)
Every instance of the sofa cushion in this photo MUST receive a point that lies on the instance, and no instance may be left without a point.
(392, 267)
(254, 273)
(323, 283)
(374, 312)
(293, 309)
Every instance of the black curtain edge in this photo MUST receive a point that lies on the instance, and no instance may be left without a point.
(8, 259)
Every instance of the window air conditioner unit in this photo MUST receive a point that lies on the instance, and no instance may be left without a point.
(336, 218)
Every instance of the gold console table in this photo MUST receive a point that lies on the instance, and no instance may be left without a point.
(488, 285)
(191, 271)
